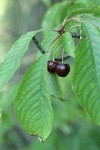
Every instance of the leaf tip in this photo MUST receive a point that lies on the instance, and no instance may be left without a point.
(42, 140)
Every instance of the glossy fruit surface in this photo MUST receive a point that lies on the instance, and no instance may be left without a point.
(51, 66)
(62, 70)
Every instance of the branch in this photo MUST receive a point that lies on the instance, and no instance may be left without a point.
(38, 45)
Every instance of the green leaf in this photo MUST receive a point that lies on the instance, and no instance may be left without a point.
(69, 46)
(33, 104)
(48, 38)
(95, 2)
(52, 19)
(55, 15)
(54, 84)
(55, 88)
(86, 82)
(81, 8)
(13, 59)
(91, 19)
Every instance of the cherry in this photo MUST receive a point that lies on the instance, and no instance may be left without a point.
(51, 66)
(62, 70)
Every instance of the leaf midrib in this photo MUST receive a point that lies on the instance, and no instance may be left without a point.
(40, 97)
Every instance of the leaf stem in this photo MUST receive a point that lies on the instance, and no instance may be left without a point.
(53, 42)
(72, 28)
(67, 21)
(62, 56)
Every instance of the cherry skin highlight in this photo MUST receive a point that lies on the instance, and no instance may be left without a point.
(62, 70)
(51, 66)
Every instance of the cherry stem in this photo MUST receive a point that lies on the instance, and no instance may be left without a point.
(60, 36)
(62, 56)
(60, 59)
(72, 28)
(52, 30)
(39, 45)
(67, 21)
(53, 42)
(60, 31)
(43, 51)
(57, 50)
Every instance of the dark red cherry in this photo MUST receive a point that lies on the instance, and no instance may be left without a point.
(62, 70)
(51, 66)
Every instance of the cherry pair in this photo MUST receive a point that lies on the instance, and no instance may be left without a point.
(61, 69)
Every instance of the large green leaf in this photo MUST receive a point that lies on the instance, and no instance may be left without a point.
(86, 82)
(13, 59)
(33, 105)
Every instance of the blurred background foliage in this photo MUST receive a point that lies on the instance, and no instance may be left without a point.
(72, 128)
